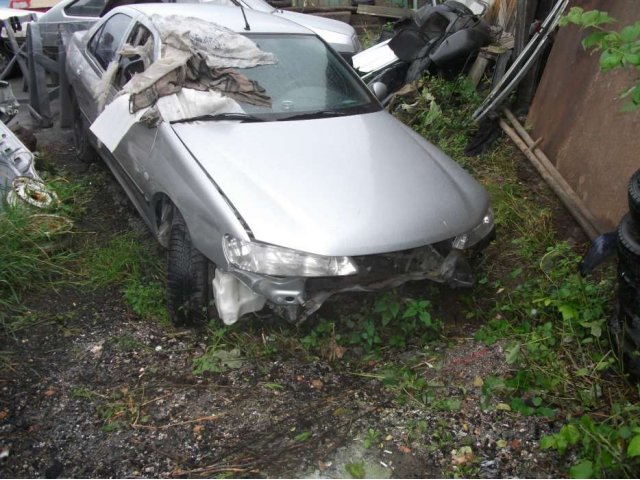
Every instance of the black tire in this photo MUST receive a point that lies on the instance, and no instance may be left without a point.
(634, 196)
(629, 247)
(626, 335)
(628, 293)
(187, 277)
(84, 151)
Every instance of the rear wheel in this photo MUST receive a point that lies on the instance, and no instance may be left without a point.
(187, 277)
(84, 151)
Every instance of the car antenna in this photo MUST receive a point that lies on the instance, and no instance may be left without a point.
(246, 23)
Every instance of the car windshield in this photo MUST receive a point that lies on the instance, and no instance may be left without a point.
(308, 79)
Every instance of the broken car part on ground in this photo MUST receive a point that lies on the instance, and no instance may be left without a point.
(442, 38)
(20, 184)
(229, 164)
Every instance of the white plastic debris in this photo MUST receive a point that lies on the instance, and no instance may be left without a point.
(234, 299)
(114, 122)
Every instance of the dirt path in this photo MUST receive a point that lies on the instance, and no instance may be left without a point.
(92, 390)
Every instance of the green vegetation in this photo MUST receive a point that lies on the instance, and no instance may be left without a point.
(135, 263)
(34, 244)
(40, 248)
(618, 49)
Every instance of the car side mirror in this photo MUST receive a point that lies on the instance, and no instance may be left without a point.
(379, 90)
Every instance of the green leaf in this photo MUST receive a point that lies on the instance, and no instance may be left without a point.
(631, 58)
(570, 433)
(303, 436)
(537, 401)
(629, 107)
(568, 312)
(356, 470)
(594, 39)
(513, 354)
(629, 33)
(633, 450)
(595, 17)
(635, 95)
(394, 308)
(546, 412)
(547, 442)
(573, 16)
(625, 432)
(584, 469)
(610, 59)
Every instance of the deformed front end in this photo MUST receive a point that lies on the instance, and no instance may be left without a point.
(296, 284)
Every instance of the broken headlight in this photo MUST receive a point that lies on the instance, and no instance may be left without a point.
(271, 260)
(477, 233)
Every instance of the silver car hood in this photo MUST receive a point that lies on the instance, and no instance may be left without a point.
(353, 185)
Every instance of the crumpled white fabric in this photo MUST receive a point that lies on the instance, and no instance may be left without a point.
(171, 59)
(188, 103)
(220, 46)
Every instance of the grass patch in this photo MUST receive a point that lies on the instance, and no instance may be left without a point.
(32, 250)
(135, 263)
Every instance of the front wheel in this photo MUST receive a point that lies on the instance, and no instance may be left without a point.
(187, 277)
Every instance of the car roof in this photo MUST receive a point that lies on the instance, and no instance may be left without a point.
(226, 16)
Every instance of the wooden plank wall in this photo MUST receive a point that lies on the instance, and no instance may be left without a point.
(577, 114)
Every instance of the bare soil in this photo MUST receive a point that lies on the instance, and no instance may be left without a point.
(92, 390)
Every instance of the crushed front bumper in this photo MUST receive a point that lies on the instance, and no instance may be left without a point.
(295, 298)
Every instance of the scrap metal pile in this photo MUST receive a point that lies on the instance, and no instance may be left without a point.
(440, 39)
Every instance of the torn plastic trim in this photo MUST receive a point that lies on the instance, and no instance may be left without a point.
(233, 299)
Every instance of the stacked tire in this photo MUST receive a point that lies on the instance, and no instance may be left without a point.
(626, 324)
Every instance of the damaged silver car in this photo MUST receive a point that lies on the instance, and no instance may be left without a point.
(263, 163)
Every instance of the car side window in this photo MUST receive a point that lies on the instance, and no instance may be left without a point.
(105, 42)
(85, 8)
(141, 54)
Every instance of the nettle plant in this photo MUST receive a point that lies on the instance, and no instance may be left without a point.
(618, 49)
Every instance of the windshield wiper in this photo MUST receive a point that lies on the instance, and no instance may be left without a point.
(241, 117)
(318, 114)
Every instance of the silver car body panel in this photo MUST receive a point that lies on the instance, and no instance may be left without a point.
(353, 185)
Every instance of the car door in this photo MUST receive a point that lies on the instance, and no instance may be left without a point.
(134, 152)
(90, 86)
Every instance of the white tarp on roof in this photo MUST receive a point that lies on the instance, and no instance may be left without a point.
(221, 47)
(183, 39)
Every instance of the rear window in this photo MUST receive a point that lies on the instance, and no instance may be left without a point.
(85, 8)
